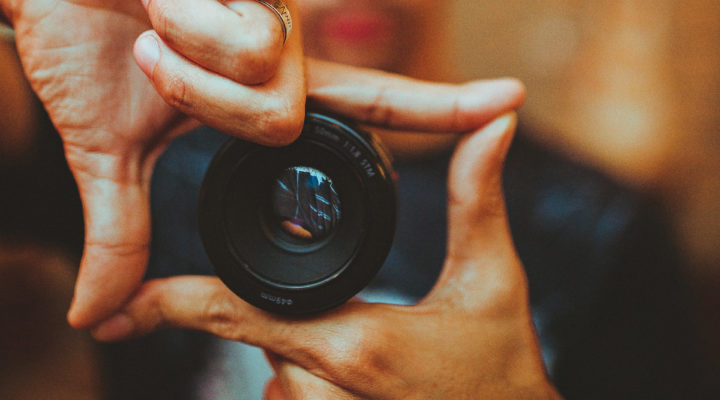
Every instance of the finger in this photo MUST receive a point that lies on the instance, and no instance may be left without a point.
(271, 114)
(331, 345)
(477, 214)
(117, 237)
(242, 41)
(481, 259)
(397, 102)
(204, 303)
(189, 302)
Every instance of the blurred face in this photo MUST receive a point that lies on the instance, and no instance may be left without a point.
(393, 35)
(369, 33)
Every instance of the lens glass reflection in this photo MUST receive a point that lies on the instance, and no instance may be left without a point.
(305, 203)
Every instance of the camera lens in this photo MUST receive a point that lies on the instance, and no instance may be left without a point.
(301, 228)
(305, 203)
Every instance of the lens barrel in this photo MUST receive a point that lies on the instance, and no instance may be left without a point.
(299, 229)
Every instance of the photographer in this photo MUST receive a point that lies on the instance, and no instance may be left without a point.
(595, 253)
(474, 327)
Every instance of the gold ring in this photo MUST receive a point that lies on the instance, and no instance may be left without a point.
(282, 12)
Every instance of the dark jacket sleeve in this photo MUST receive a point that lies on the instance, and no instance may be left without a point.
(608, 300)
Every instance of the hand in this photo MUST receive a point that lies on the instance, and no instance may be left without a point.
(78, 56)
(471, 337)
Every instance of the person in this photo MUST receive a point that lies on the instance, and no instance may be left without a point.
(292, 369)
(557, 209)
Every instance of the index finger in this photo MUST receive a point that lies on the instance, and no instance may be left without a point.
(205, 303)
(394, 101)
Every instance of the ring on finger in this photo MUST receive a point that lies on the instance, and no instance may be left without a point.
(283, 13)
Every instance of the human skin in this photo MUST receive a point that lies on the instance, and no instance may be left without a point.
(80, 58)
(383, 34)
(471, 337)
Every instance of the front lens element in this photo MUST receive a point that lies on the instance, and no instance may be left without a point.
(305, 203)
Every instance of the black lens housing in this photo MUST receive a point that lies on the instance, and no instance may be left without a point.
(265, 265)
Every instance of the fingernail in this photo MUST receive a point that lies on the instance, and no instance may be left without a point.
(509, 87)
(504, 91)
(116, 328)
(503, 123)
(147, 53)
(500, 126)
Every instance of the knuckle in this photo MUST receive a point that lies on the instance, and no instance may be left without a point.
(492, 204)
(156, 301)
(360, 355)
(159, 12)
(256, 65)
(511, 295)
(378, 110)
(506, 297)
(258, 60)
(116, 249)
(281, 124)
(488, 203)
(268, 38)
(154, 293)
(218, 313)
(174, 90)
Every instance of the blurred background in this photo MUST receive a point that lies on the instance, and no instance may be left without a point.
(630, 87)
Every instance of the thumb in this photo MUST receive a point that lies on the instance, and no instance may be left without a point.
(477, 216)
(117, 238)
(480, 254)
